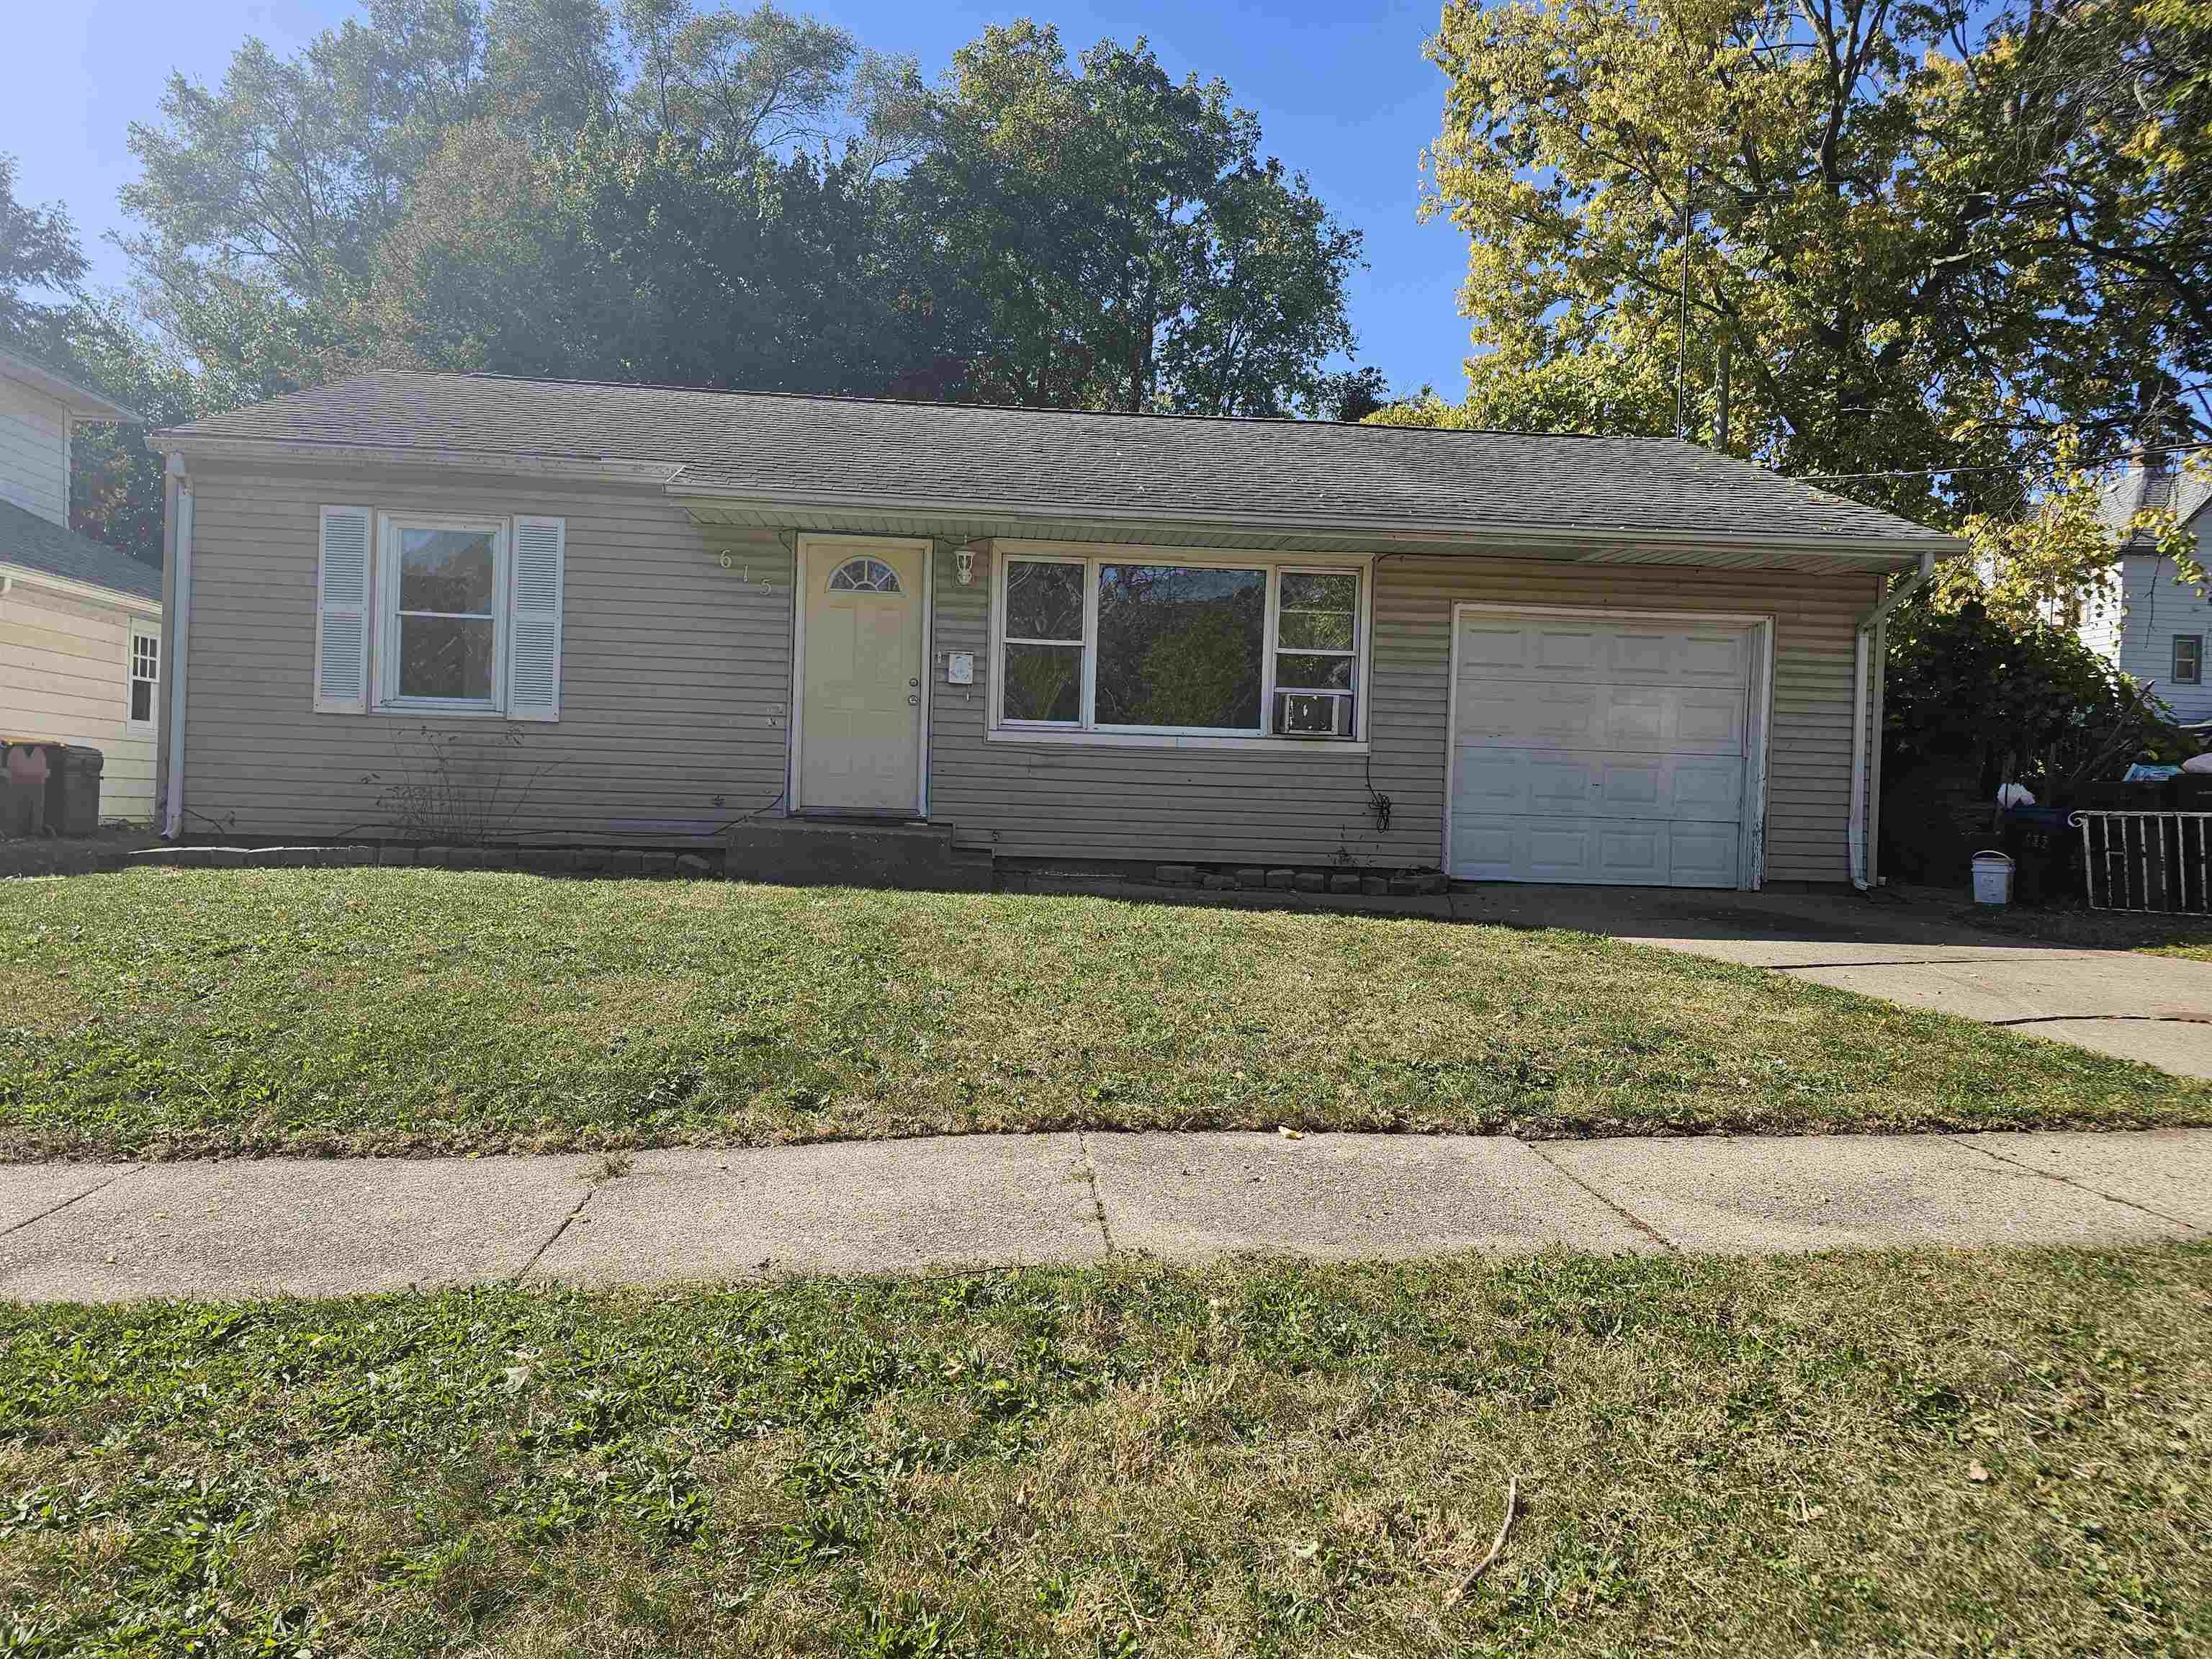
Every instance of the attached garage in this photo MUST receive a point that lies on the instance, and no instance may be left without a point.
(1607, 748)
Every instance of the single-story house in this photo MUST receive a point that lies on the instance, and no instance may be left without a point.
(1059, 636)
(80, 621)
(2151, 625)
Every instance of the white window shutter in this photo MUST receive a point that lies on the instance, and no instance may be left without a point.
(342, 612)
(533, 621)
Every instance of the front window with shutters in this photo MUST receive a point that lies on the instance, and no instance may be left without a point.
(444, 587)
(421, 614)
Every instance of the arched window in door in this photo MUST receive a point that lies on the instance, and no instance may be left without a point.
(864, 576)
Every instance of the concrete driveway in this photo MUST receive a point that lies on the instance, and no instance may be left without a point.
(2154, 1008)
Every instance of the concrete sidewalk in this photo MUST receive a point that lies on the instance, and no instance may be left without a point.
(325, 1227)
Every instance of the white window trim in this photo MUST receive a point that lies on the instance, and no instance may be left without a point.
(2173, 658)
(387, 699)
(1085, 732)
(152, 724)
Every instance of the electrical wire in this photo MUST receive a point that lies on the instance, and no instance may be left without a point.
(1994, 466)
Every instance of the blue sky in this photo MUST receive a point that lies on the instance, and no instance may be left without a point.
(1342, 92)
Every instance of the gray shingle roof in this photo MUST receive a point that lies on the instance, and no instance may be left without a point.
(2186, 489)
(39, 543)
(874, 453)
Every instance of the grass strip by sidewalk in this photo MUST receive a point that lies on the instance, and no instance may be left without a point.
(162, 1012)
(1921, 1454)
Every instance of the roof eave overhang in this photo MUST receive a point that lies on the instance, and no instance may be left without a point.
(176, 441)
(82, 403)
(31, 576)
(1597, 543)
(1592, 543)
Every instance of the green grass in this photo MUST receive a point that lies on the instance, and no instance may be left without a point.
(1930, 1453)
(160, 1013)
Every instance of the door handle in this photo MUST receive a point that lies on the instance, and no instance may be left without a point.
(914, 699)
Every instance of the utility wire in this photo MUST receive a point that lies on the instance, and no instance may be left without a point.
(1998, 467)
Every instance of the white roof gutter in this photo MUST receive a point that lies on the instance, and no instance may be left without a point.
(30, 575)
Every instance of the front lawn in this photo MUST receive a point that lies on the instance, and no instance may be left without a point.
(163, 1012)
(1947, 1453)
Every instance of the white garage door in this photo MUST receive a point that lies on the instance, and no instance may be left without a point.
(1600, 750)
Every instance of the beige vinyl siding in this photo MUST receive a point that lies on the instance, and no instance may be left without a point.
(34, 451)
(675, 672)
(676, 686)
(1041, 800)
(65, 677)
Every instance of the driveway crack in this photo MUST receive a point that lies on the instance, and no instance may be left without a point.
(2153, 1019)
(2069, 1181)
(56, 1209)
(1098, 1203)
(1629, 1216)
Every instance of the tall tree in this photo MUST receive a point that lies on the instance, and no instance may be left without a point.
(38, 253)
(115, 483)
(647, 260)
(663, 190)
(1117, 239)
(1928, 235)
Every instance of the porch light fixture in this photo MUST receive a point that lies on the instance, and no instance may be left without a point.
(963, 565)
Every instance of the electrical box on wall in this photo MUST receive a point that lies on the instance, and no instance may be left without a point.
(960, 668)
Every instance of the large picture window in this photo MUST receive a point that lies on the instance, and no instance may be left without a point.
(1149, 647)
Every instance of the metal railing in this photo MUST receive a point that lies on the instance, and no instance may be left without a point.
(2159, 861)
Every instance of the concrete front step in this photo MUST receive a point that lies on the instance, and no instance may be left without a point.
(917, 857)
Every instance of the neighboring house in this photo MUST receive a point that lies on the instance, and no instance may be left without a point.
(2158, 630)
(80, 623)
(1062, 636)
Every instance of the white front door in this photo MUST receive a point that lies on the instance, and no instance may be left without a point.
(1605, 750)
(860, 692)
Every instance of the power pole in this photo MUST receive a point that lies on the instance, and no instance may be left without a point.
(1682, 320)
(1721, 400)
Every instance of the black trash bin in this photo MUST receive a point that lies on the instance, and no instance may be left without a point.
(73, 791)
(2047, 853)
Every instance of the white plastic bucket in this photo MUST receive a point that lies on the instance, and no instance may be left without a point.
(1992, 878)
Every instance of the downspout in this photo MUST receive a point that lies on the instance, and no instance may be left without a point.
(1856, 823)
(1870, 669)
(172, 816)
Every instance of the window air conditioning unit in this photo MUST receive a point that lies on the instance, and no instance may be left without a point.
(1312, 714)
